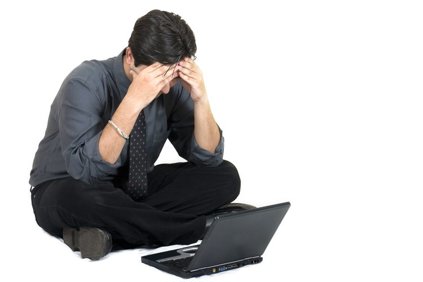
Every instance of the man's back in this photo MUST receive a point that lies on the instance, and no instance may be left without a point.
(88, 95)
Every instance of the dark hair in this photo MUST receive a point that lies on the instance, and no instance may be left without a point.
(162, 37)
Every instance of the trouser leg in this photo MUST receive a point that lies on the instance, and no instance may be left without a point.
(191, 189)
(170, 214)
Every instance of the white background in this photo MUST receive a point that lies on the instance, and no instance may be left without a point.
(320, 103)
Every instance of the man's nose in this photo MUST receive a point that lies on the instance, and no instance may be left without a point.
(166, 89)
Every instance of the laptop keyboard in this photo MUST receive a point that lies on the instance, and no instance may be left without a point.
(178, 263)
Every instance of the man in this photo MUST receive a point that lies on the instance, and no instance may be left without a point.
(94, 180)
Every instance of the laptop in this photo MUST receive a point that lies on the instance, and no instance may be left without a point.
(233, 240)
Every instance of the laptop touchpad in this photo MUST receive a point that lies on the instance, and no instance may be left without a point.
(183, 253)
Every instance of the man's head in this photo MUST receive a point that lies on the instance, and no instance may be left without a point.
(162, 37)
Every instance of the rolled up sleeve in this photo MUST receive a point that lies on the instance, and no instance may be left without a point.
(200, 156)
(81, 124)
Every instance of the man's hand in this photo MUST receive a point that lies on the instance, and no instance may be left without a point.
(206, 132)
(192, 79)
(147, 83)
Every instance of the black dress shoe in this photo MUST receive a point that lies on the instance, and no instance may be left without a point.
(233, 207)
(229, 208)
(93, 243)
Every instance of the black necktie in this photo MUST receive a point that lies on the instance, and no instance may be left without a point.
(137, 181)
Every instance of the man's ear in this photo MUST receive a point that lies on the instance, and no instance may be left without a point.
(129, 58)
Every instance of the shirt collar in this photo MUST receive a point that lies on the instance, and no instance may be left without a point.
(122, 81)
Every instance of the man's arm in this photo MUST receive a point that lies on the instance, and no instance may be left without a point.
(145, 86)
(206, 131)
(80, 124)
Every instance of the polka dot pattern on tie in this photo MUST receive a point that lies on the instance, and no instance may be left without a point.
(137, 181)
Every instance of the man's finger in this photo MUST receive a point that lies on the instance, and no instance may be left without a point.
(185, 64)
(187, 68)
(186, 78)
(170, 69)
(160, 71)
(187, 72)
(189, 60)
(154, 67)
(170, 72)
(168, 78)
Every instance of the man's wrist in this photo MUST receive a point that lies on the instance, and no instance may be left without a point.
(203, 101)
(133, 103)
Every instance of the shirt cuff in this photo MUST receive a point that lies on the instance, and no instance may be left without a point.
(203, 157)
(100, 169)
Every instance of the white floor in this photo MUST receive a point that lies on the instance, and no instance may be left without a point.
(320, 103)
(320, 239)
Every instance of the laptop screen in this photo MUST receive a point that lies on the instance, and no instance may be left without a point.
(239, 236)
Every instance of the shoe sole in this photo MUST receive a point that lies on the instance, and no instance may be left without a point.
(93, 243)
(226, 209)
(232, 208)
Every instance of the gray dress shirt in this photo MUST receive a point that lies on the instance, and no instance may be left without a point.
(86, 101)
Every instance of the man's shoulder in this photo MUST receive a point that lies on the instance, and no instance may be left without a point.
(90, 73)
(89, 79)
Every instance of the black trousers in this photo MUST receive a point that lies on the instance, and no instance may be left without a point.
(179, 195)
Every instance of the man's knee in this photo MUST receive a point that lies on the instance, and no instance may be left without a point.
(68, 202)
(232, 179)
(70, 194)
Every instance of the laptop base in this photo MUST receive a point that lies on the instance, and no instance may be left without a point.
(174, 266)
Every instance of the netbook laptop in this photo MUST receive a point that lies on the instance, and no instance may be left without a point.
(233, 240)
